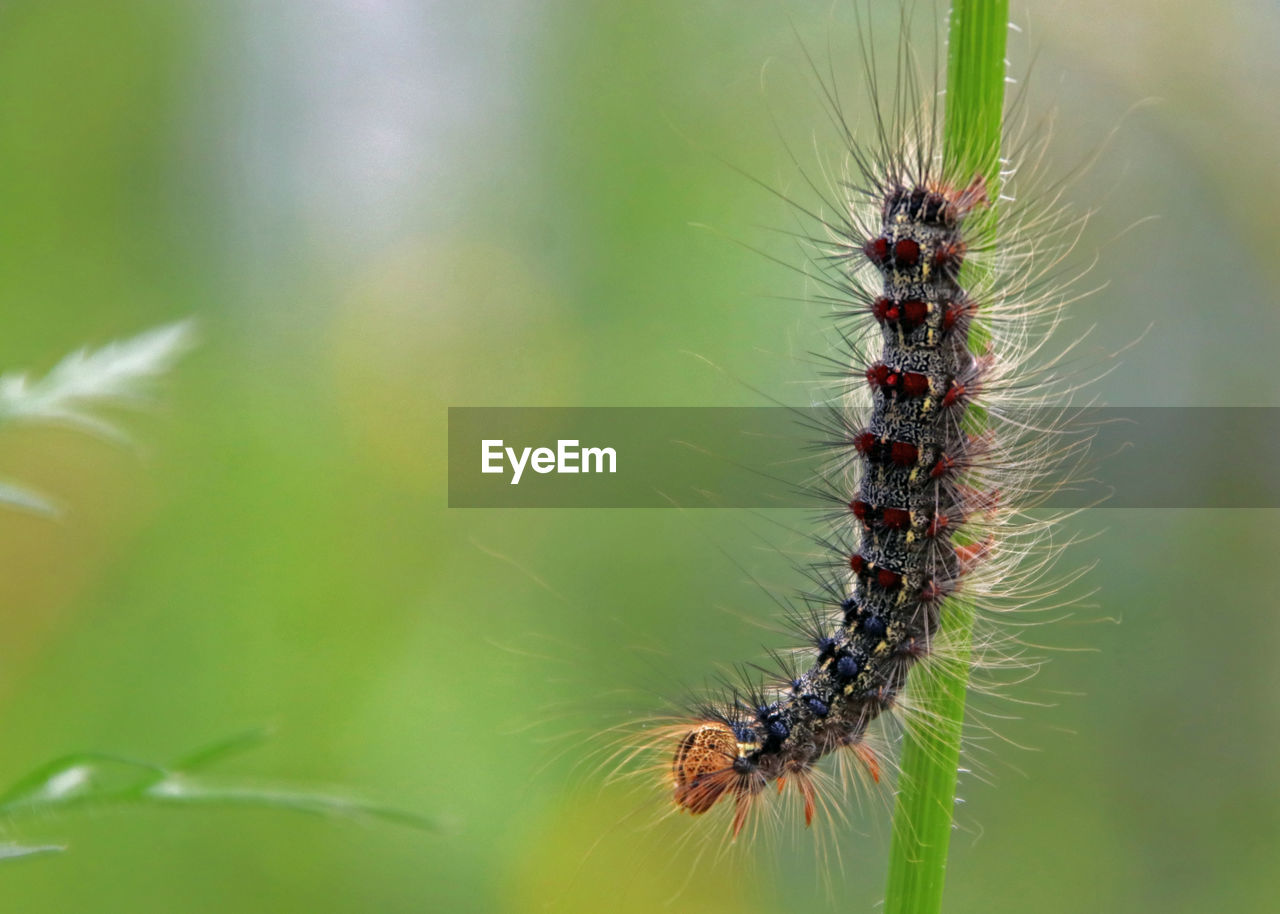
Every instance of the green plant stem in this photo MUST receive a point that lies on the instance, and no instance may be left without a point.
(925, 803)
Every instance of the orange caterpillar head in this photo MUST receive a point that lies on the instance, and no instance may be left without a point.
(708, 764)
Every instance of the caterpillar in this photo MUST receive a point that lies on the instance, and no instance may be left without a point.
(908, 503)
(936, 464)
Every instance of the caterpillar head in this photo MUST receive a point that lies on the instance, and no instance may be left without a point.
(709, 762)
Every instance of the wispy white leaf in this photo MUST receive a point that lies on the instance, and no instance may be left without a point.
(18, 497)
(10, 851)
(115, 374)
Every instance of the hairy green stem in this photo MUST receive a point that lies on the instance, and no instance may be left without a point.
(925, 802)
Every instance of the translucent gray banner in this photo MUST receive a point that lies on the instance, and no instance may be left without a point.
(768, 457)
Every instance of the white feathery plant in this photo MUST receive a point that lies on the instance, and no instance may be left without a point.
(73, 394)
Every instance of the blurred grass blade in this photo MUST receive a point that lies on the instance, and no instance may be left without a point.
(180, 789)
(100, 780)
(24, 499)
(14, 851)
(225, 748)
(79, 778)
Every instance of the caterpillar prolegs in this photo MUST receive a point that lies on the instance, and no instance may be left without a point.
(934, 473)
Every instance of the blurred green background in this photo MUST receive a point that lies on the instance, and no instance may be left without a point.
(376, 209)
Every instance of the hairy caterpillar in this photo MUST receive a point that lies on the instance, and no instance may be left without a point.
(947, 288)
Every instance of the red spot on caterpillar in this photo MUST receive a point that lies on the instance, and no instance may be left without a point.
(915, 384)
(944, 465)
(938, 524)
(896, 518)
(859, 509)
(906, 252)
(949, 253)
(962, 311)
(931, 592)
(877, 250)
(857, 563)
(954, 392)
(950, 315)
(887, 579)
(865, 442)
(911, 383)
(903, 453)
(911, 313)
